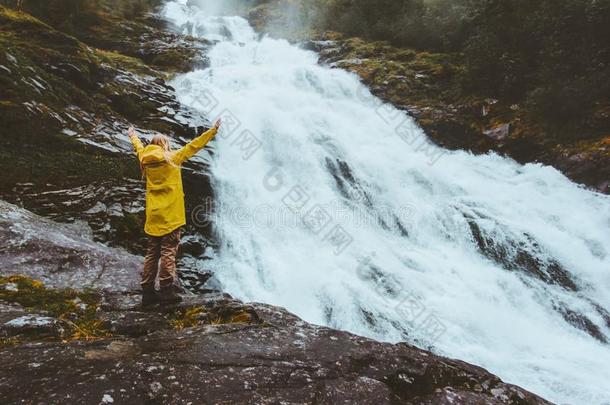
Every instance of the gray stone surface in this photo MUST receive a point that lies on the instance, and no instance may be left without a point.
(61, 255)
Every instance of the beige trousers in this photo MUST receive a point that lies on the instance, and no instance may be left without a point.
(161, 259)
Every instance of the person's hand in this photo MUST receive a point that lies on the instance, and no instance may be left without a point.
(218, 123)
(132, 132)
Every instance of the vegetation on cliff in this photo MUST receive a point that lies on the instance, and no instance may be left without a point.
(525, 78)
(552, 54)
(75, 311)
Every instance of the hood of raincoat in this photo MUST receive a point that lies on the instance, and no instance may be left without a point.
(152, 154)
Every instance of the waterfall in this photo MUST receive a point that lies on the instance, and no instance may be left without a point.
(337, 207)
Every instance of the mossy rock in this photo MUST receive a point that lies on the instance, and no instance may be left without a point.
(218, 314)
(77, 310)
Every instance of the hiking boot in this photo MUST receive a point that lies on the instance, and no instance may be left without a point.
(168, 295)
(149, 296)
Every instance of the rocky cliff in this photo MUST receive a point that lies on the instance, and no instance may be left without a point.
(71, 328)
(66, 103)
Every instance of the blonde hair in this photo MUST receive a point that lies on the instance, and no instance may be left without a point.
(164, 142)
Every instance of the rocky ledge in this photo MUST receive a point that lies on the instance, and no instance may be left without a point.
(82, 336)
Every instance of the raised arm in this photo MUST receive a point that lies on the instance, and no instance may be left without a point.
(194, 146)
(137, 144)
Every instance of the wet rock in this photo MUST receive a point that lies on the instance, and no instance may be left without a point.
(114, 210)
(10, 311)
(115, 350)
(61, 255)
(499, 132)
(28, 325)
(277, 358)
(133, 323)
(319, 46)
(522, 254)
(195, 281)
(582, 322)
(589, 166)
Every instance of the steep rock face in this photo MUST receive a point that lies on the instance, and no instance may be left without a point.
(66, 105)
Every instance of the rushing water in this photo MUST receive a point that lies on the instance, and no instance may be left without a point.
(336, 208)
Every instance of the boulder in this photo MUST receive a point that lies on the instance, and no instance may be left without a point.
(61, 255)
(499, 132)
(30, 324)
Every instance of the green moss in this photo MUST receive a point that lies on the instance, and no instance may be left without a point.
(10, 15)
(270, 17)
(61, 162)
(120, 61)
(218, 315)
(406, 75)
(186, 318)
(8, 342)
(76, 309)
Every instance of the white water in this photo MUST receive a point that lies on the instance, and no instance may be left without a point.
(304, 114)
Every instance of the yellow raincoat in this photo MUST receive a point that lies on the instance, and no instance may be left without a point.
(164, 195)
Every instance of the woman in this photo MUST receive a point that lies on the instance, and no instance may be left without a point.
(165, 212)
